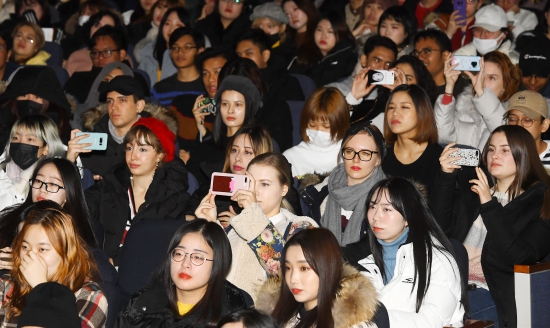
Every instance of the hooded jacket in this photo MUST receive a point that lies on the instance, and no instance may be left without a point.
(356, 303)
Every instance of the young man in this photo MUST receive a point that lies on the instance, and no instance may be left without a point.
(530, 110)
(534, 63)
(433, 47)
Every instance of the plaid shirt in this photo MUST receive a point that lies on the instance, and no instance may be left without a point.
(91, 304)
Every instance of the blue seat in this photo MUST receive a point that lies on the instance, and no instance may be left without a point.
(296, 111)
(61, 73)
(307, 84)
(56, 54)
(532, 290)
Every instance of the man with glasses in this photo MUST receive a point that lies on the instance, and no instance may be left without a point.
(530, 110)
(433, 47)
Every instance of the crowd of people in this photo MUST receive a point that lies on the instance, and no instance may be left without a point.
(404, 203)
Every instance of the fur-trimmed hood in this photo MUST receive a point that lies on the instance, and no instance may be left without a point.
(356, 301)
(92, 116)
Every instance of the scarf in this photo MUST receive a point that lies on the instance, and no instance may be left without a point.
(350, 198)
(112, 132)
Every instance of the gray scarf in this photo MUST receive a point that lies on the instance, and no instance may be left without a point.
(350, 198)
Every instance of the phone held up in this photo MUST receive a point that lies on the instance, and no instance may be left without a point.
(227, 184)
(97, 139)
(468, 157)
(466, 63)
(379, 77)
(211, 108)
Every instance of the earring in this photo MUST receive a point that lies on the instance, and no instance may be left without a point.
(158, 163)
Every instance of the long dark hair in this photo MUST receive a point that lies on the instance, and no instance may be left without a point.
(311, 12)
(323, 254)
(423, 77)
(424, 232)
(161, 45)
(75, 204)
(403, 16)
(210, 306)
(96, 18)
(250, 318)
(529, 168)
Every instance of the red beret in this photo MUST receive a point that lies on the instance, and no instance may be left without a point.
(166, 137)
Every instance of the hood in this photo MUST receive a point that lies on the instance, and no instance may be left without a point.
(356, 302)
(91, 117)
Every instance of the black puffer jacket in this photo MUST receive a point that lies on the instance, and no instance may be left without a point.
(150, 308)
(108, 200)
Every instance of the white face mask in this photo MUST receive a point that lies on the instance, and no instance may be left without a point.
(319, 138)
(484, 46)
(83, 19)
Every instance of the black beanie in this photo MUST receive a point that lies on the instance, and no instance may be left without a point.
(242, 85)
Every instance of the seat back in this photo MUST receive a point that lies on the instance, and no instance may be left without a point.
(145, 247)
(307, 84)
(296, 112)
(56, 54)
(532, 290)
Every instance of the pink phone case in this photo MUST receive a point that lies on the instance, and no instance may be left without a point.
(226, 184)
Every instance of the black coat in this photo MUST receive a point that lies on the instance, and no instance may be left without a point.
(516, 233)
(108, 200)
(212, 27)
(150, 307)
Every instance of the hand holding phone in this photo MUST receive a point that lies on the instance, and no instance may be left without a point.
(466, 63)
(468, 157)
(227, 184)
(379, 77)
(98, 140)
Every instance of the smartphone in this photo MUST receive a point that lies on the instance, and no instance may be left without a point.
(380, 77)
(226, 184)
(211, 108)
(460, 5)
(466, 63)
(97, 139)
(468, 157)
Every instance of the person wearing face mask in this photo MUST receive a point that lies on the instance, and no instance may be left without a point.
(491, 33)
(323, 122)
(31, 138)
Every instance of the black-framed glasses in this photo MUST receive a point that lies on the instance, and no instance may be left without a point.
(525, 122)
(105, 53)
(50, 187)
(185, 49)
(424, 52)
(364, 155)
(197, 259)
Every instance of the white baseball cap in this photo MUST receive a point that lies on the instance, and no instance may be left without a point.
(491, 17)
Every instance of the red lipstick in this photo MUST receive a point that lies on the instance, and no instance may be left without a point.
(237, 168)
(376, 229)
(184, 276)
(395, 122)
(355, 168)
(296, 291)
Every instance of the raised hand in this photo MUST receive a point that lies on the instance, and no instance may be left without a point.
(75, 148)
(245, 198)
(207, 208)
(481, 186)
(445, 160)
(34, 269)
(359, 88)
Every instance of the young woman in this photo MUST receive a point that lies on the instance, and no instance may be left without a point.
(258, 234)
(323, 123)
(28, 41)
(411, 133)
(190, 289)
(470, 119)
(31, 138)
(415, 72)
(458, 28)
(302, 19)
(338, 203)
(501, 220)
(49, 249)
(400, 26)
(150, 184)
(369, 20)
(317, 287)
(271, 18)
(247, 318)
(226, 23)
(329, 56)
(408, 245)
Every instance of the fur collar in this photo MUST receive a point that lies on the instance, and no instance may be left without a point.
(356, 302)
(92, 116)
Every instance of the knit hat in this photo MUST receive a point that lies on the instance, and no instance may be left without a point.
(125, 85)
(491, 17)
(530, 103)
(269, 10)
(242, 85)
(166, 137)
(50, 305)
(535, 60)
(367, 126)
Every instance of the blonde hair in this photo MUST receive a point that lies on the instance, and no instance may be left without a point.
(282, 27)
(39, 41)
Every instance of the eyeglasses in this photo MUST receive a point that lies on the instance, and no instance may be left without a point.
(50, 187)
(364, 155)
(234, 1)
(197, 259)
(424, 52)
(105, 53)
(20, 37)
(185, 49)
(526, 122)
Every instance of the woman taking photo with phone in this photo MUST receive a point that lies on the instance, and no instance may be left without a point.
(470, 119)
(258, 234)
(501, 220)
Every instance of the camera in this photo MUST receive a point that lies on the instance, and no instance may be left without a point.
(211, 108)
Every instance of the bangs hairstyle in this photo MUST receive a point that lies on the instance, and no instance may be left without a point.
(39, 41)
(529, 168)
(311, 12)
(406, 199)
(259, 140)
(282, 27)
(209, 308)
(97, 17)
(284, 173)
(511, 74)
(426, 129)
(403, 16)
(143, 136)
(77, 264)
(423, 77)
(326, 104)
(323, 255)
(180, 32)
(161, 45)
(385, 4)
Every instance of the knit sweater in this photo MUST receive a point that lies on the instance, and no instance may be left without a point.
(390, 252)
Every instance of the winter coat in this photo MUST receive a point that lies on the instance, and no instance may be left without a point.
(516, 233)
(257, 245)
(505, 48)
(211, 26)
(469, 120)
(356, 304)
(150, 65)
(97, 120)
(108, 201)
(441, 305)
(150, 307)
(336, 65)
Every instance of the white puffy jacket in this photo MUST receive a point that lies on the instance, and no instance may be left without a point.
(506, 48)
(441, 305)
